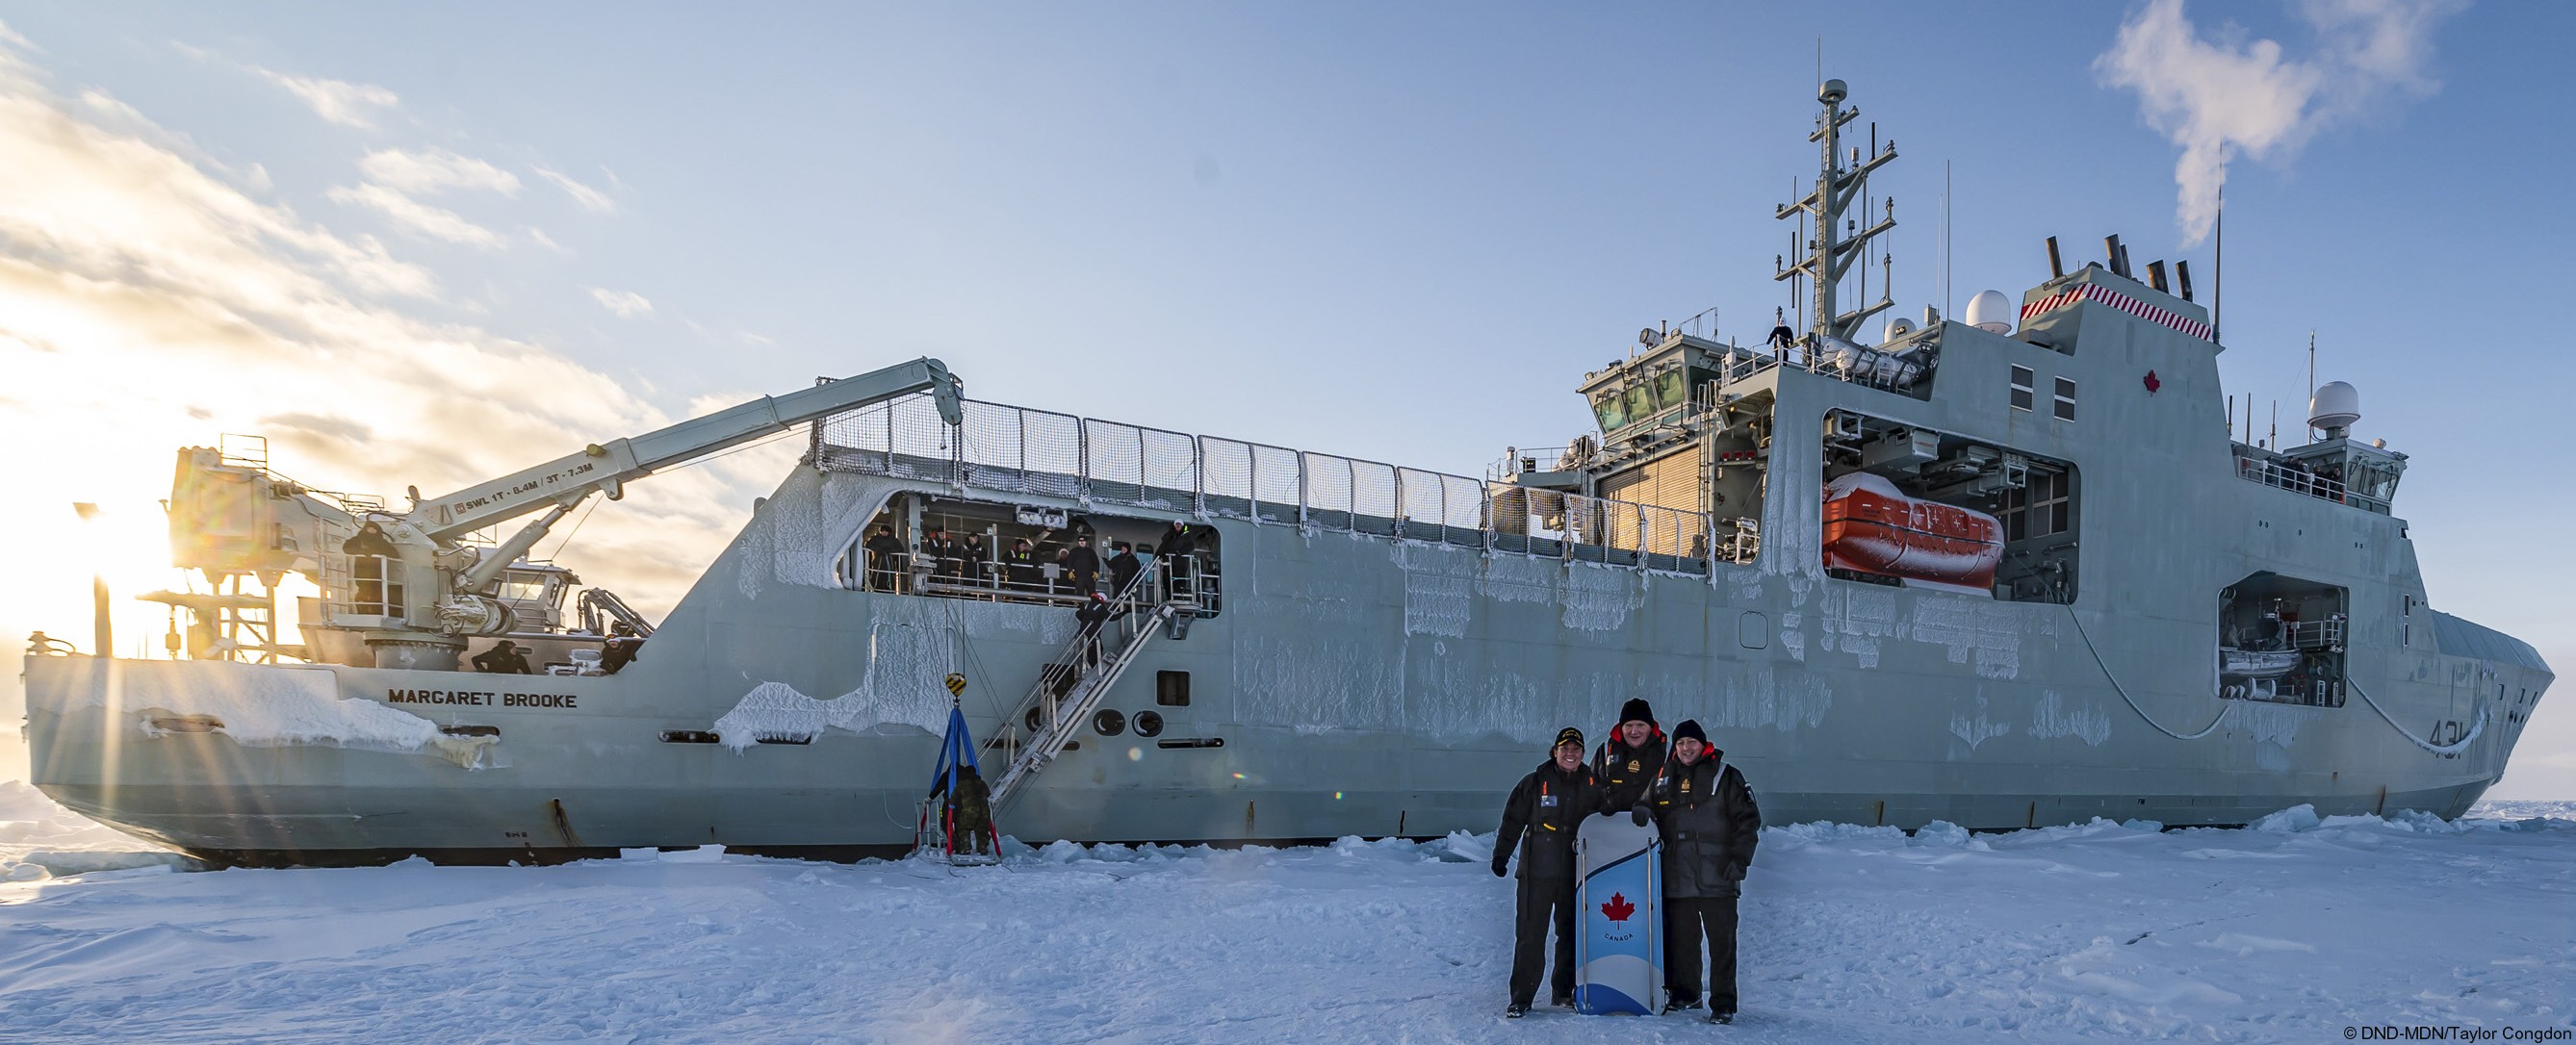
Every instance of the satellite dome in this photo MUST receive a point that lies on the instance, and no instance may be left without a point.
(1990, 310)
(2335, 407)
(1899, 327)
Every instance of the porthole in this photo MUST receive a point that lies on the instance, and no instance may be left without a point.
(1149, 723)
(1109, 722)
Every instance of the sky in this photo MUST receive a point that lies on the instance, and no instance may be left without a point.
(426, 245)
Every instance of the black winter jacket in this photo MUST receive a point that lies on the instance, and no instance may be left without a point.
(1549, 805)
(1628, 771)
(1710, 825)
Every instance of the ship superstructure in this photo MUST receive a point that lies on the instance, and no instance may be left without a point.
(2007, 571)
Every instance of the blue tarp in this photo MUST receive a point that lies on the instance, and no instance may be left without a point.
(958, 749)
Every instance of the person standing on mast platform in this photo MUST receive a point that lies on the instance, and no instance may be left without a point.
(1781, 336)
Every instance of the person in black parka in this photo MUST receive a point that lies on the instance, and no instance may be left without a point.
(1628, 761)
(1710, 825)
(1123, 567)
(1084, 566)
(1541, 818)
(885, 559)
(1020, 566)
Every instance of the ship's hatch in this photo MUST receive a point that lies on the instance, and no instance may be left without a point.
(2281, 639)
(955, 547)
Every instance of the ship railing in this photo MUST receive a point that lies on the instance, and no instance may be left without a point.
(1014, 449)
(2324, 634)
(1519, 460)
(2289, 477)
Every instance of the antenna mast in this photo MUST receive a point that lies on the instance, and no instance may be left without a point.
(1830, 255)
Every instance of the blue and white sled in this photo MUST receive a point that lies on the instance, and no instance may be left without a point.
(1620, 953)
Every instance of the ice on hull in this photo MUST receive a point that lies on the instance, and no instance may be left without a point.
(1361, 685)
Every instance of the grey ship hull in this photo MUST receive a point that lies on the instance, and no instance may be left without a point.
(1374, 686)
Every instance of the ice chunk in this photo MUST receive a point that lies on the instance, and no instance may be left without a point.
(705, 854)
(2293, 820)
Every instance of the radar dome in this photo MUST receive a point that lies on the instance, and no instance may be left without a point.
(1990, 310)
(2335, 407)
(1899, 327)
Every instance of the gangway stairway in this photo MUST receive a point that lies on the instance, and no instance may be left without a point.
(1069, 690)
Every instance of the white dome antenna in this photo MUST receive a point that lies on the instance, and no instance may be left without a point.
(2335, 407)
(1897, 328)
(1990, 310)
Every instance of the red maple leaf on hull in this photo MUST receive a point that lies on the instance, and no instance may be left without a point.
(1618, 908)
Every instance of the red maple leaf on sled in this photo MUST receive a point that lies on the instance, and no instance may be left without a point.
(1618, 909)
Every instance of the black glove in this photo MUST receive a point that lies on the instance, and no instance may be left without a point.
(1637, 816)
(1501, 861)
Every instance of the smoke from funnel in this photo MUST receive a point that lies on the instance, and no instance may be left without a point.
(2218, 98)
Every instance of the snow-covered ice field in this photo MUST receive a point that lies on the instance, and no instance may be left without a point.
(2290, 933)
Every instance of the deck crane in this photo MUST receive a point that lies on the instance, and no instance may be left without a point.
(405, 580)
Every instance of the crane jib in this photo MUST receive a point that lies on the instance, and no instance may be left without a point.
(605, 466)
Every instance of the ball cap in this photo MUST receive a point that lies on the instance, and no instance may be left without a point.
(1568, 735)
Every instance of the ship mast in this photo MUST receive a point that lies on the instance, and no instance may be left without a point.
(1831, 253)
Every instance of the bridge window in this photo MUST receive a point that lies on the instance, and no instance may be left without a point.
(2065, 399)
(2023, 382)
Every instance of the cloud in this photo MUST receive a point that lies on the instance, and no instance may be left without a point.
(11, 37)
(2219, 99)
(589, 198)
(412, 214)
(626, 303)
(338, 101)
(138, 284)
(434, 171)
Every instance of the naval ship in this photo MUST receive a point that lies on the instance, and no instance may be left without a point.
(2009, 570)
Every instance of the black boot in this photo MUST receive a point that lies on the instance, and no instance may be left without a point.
(1518, 1010)
(1721, 1017)
(1679, 1004)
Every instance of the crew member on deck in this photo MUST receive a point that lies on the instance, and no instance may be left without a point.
(978, 566)
(1177, 545)
(1084, 565)
(885, 559)
(504, 658)
(1781, 336)
(1123, 567)
(1020, 565)
(1549, 805)
(621, 649)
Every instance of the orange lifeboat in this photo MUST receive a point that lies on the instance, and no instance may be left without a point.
(1872, 527)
